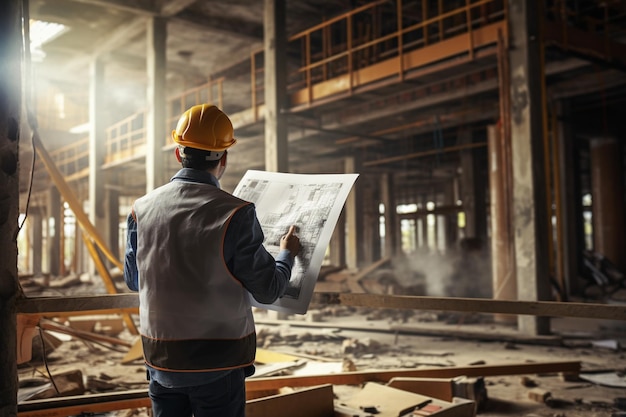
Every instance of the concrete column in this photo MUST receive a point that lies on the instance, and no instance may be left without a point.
(338, 242)
(354, 218)
(468, 183)
(113, 221)
(275, 46)
(370, 214)
(36, 240)
(481, 176)
(607, 198)
(530, 220)
(450, 220)
(55, 222)
(156, 36)
(420, 226)
(571, 205)
(502, 243)
(97, 147)
(10, 106)
(392, 225)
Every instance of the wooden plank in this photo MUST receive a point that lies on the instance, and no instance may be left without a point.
(57, 327)
(134, 353)
(103, 303)
(268, 356)
(387, 401)
(76, 405)
(314, 402)
(111, 302)
(533, 308)
(360, 377)
(441, 388)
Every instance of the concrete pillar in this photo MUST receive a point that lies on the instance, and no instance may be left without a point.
(392, 225)
(450, 220)
(607, 198)
(481, 176)
(10, 110)
(338, 242)
(420, 227)
(570, 224)
(113, 221)
(502, 243)
(354, 217)
(55, 222)
(35, 227)
(275, 45)
(370, 214)
(156, 36)
(530, 220)
(468, 183)
(97, 148)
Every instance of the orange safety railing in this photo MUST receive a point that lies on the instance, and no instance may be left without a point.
(73, 160)
(338, 47)
(211, 92)
(126, 138)
(359, 39)
(601, 19)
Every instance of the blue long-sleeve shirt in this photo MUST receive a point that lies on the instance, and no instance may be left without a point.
(263, 276)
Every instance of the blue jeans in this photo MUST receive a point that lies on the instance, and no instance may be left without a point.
(225, 397)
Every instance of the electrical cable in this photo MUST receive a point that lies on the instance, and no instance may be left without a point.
(45, 361)
(32, 122)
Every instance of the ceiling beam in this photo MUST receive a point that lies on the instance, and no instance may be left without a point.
(140, 7)
(143, 7)
(237, 28)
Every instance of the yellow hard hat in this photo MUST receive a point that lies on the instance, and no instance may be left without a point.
(205, 127)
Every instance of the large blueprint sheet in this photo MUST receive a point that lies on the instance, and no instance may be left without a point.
(312, 203)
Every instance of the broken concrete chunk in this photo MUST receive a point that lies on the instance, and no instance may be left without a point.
(541, 396)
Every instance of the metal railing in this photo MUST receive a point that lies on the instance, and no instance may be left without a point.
(126, 138)
(73, 159)
(358, 39)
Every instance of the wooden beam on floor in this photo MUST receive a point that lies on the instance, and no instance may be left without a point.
(79, 405)
(360, 377)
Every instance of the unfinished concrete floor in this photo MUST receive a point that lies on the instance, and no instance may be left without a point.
(330, 339)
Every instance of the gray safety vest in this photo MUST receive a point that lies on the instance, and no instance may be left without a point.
(194, 315)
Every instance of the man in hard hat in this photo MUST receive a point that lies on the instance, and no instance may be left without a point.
(195, 253)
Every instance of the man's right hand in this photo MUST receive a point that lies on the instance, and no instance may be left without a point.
(291, 242)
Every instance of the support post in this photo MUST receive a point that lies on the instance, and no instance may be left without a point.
(36, 240)
(530, 220)
(502, 266)
(608, 200)
(392, 226)
(275, 44)
(156, 35)
(55, 221)
(354, 218)
(97, 142)
(10, 110)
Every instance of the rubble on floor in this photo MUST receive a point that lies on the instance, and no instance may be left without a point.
(339, 339)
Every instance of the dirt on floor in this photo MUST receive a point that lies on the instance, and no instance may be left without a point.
(335, 339)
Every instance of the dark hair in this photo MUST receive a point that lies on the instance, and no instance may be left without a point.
(196, 159)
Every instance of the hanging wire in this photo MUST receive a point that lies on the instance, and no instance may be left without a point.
(45, 360)
(32, 121)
